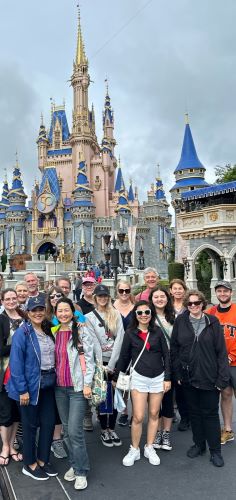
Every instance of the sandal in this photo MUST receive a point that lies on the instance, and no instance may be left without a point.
(18, 455)
(4, 464)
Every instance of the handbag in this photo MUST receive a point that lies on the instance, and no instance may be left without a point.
(124, 379)
(48, 379)
(99, 385)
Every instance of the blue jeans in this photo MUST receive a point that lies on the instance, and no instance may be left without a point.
(72, 407)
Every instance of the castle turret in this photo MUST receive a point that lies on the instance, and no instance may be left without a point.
(190, 172)
(16, 214)
(43, 144)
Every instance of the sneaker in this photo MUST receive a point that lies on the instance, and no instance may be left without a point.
(166, 443)
(131, 457)
(115, 439)
(106, 439)
(49, 469)
(58, 449)
(70, 475)
(88, 425)
(80, 483)
(194, 451)
(226, 436)
(123, 420)
(183, 425)
(158, 440)
(217, 459)
(38, 473)
(150, 453)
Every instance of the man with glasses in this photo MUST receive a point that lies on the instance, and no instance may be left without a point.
(86, 303)
(225, 311)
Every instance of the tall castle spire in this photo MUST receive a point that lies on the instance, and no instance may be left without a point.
(80, 50)
(108, 141)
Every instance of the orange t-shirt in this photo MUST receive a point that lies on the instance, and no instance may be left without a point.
(228, 321)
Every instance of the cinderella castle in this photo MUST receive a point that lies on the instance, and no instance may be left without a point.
(81, 205)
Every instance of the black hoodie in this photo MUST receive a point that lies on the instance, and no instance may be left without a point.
(200, 361)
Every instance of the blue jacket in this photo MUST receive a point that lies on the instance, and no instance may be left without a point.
(25, 364)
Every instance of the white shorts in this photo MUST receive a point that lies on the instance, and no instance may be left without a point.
(147, 384)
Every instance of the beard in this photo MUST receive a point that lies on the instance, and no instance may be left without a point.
(225, 301)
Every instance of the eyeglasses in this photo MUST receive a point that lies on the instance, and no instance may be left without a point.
(147, 312)
(88, 284)
(124, 290)
(196, 303)
(55, 296)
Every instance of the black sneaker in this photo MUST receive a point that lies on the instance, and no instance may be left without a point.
(106, 439)
(194, 451)
(38, 473)
(115, 439)
(123, 420)
(49, 470)
(183, 425)
(166, 442)
(217, 460)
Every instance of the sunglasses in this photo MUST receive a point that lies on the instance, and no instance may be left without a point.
(147, 312)
(196, 303)
(124, 290)
(55, 296)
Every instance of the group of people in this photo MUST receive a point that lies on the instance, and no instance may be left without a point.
(177, 349)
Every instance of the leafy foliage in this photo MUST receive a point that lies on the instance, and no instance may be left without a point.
(226, 173)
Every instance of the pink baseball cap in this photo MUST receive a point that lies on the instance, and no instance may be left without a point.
(88, 279)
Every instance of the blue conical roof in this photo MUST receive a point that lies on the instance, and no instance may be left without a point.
(50, 180)
(189, 158)
(159, 192)
(4, 203)
(119, 185)
(82, 183)
(131, 193)
(108, 112)
(123, 204)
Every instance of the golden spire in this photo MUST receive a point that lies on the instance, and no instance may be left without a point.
(186, 119)
(80, 51)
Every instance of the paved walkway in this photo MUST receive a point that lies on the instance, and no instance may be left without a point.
(177, 478)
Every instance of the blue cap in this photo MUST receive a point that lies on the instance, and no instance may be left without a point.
(34, 302)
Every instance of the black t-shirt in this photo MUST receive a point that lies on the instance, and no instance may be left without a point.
(86, 306)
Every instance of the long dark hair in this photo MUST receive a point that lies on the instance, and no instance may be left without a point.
(168, 310)
(74, 329)
(133, 325)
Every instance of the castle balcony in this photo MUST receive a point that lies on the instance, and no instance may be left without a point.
(214, 221)
(52, 231)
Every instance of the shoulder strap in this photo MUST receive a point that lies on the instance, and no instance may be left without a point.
(99, 317)
(140, 354)
(163, 329)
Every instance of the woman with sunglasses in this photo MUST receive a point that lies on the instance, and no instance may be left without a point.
(10, 320)
(124, 303)
(145, 343)
(200, 365)
(105, 325)
(53, 295)
(160, 299)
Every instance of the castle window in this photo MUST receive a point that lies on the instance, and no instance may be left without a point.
(192, 188)
(191, 170)
(57, 142)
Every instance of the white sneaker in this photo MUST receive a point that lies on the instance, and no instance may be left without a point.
(131, 457)
(70, 475)
(150, 453)
(80, 483)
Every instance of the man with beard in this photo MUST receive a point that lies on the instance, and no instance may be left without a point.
(225, 311)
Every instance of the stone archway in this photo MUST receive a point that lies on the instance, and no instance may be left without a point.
(47, 248)
(204, 268)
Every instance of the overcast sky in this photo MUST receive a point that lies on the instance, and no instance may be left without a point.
(161, 58)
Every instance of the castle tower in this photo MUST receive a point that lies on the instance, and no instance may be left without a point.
(190, 172)
(16, 214)
(4, 204)
(43, 144)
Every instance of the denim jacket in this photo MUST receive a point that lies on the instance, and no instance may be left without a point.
(25, 364)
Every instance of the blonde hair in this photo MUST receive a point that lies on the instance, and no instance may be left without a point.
(111, 315)
(124, 282)
(21, 283)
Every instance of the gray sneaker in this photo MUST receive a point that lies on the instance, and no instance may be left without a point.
(58, 449)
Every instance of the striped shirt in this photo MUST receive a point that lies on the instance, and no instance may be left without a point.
(62, 362)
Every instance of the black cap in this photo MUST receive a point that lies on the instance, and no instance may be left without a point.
(225, 284)
(101, 290)
(34, 302)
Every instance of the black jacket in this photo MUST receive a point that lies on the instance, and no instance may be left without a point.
(199, 361)
(152, 362)
(4, 348)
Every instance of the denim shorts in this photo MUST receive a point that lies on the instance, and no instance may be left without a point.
(147, 384)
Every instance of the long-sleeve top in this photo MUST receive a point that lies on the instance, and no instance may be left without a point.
(200, 360)
(106, 346)
(154, 360)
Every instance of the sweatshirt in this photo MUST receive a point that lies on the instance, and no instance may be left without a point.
(227, 318)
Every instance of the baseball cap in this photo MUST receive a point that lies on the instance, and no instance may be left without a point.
(224, 283)
(88, 279)
(101, 290)
(34, 302)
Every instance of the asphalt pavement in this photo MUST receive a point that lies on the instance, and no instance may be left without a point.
(177, 477)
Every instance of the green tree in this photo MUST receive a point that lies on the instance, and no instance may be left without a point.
(226, 173)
